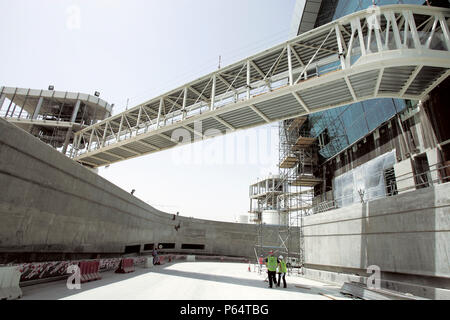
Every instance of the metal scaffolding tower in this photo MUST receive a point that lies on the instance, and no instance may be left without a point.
(298, 160)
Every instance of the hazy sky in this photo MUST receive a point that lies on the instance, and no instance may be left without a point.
(138, 49)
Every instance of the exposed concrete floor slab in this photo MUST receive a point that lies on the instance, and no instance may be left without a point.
(186, 281)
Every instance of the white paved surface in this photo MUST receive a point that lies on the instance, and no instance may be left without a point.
(186, 281)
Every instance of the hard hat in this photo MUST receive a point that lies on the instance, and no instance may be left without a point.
(281, 257)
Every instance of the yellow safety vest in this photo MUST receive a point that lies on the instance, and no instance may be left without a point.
(272, 264)
(283, 267)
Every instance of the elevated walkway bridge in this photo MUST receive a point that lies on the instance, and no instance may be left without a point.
(396, 51)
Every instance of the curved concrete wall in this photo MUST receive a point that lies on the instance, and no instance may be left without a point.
(51, 204)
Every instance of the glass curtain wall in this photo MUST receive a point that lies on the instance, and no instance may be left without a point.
(348, 124)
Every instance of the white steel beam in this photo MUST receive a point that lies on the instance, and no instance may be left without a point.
(259, 113)
(411, 80)
(226, 124)
(302, 103)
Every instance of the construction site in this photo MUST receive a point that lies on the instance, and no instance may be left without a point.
(359, 207)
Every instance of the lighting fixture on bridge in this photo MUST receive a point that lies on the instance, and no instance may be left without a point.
(51, 88)
(97, 94)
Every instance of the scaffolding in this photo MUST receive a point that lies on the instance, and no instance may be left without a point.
(298, 162)
(264, 196)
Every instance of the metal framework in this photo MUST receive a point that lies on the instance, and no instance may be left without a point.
(264, 196)
(298, 160)
(51, 115)
(397, 51)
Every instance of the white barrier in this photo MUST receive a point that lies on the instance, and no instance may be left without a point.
(9, 283)
(149, 263)
(190, 258)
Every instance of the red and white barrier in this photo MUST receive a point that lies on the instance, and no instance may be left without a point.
(9, 283)
(126, 266)
(89, 271)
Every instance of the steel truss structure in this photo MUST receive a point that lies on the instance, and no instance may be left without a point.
(396, 51)
(51, 115)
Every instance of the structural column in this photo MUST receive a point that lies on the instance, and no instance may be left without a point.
(213, 92)
(75, 111)
(2, 100)
(67, 140)
(161, 106)
(183, 110)
(248, 80)
(38, 108)
(289, 56)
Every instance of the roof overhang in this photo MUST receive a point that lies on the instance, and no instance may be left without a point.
(305, 16)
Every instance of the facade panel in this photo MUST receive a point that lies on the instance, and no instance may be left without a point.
(348, 124)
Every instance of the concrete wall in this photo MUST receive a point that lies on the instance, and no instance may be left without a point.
(407, 236)
(51, 204)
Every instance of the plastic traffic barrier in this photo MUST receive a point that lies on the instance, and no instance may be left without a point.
(126, 266)
(89, 271)
(9, 283)
(149, 263)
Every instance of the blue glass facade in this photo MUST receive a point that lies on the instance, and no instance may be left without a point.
(348, 124)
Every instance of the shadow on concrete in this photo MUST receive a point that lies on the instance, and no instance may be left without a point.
(58, 290)
(258, 283)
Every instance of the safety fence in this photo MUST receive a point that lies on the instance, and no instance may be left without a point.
(55, 269)
(36, 271)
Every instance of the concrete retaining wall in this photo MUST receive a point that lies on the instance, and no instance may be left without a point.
(51, 204)
(407, 236)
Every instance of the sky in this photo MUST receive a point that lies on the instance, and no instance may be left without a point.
(134, 50)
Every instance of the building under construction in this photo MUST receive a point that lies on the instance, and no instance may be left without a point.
(361, 95)
(52, 116)
(357, 152)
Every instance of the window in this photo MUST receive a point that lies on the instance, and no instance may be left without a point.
(166, 246)
(149, 246)
(133, 249)
(193, 246)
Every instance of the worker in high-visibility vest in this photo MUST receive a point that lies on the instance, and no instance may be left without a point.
(271, 264)
(282, 270)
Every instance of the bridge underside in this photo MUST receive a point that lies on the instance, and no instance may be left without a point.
(400, 51)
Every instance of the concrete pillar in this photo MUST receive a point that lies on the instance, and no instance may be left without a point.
(404, 176)
(434, 162)
(38, 108)
(2, 100)
(67, 140)
(75, 111)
